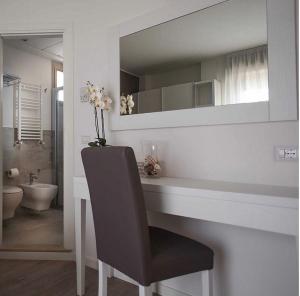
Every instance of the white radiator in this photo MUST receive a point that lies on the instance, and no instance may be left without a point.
(28, 112)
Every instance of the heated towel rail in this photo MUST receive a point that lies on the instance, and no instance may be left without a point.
(28, 112)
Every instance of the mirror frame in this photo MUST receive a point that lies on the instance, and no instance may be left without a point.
(282, 104)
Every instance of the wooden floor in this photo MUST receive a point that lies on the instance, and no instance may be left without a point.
(52, 278)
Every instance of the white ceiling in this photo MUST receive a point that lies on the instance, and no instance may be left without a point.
(223, 28)
(47, 46)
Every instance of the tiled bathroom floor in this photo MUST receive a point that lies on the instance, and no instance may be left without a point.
(29, 228)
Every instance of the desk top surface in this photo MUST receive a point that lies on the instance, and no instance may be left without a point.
(257, 193)
(211, 185)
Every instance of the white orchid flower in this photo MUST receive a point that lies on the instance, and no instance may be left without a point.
(97, 98)
(98, 92)
(96, 102)
(102, 105)
(123, 105)
(107, 102)
(130, 103)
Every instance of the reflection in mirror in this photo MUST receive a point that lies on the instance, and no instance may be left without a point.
(216, 56)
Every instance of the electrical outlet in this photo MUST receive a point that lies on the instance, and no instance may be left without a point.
(286, 153)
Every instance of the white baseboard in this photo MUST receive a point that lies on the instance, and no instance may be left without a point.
(159, 288)
(91, 262)
(37, 255)
(164, 290)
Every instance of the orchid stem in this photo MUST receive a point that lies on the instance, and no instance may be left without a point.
(97, 123)
(102, 123)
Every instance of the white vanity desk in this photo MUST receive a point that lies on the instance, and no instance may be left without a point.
(261, 207)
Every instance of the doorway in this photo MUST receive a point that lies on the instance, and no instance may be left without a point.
(51, 140)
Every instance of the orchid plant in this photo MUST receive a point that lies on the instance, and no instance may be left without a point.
(98, 100)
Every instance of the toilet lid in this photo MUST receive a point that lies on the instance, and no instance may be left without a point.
(11, 189)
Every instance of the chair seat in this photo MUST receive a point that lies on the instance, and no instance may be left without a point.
(175, 255)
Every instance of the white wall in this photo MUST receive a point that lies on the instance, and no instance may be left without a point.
(31, 69)
(234, 153)
(248, 262)
(172, 77)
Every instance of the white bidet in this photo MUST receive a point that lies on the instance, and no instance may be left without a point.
(38, 196)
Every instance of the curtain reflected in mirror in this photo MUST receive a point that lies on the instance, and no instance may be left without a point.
(246, 76)
(212, 57)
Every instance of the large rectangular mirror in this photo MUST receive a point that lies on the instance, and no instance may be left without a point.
(215, 56)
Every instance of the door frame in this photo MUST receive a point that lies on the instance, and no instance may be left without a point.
(1, 137)
(54, 114)
(66, 29)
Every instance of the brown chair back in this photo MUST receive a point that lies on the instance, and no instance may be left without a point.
(119, 212)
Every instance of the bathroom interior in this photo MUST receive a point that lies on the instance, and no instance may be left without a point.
(33, 143)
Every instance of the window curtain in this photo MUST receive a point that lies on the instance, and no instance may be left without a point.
(246, 76)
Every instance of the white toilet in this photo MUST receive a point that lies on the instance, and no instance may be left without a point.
(12, 197)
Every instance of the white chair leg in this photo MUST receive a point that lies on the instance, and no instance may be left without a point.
(206, 283)
(103, 270)
(145, 291)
